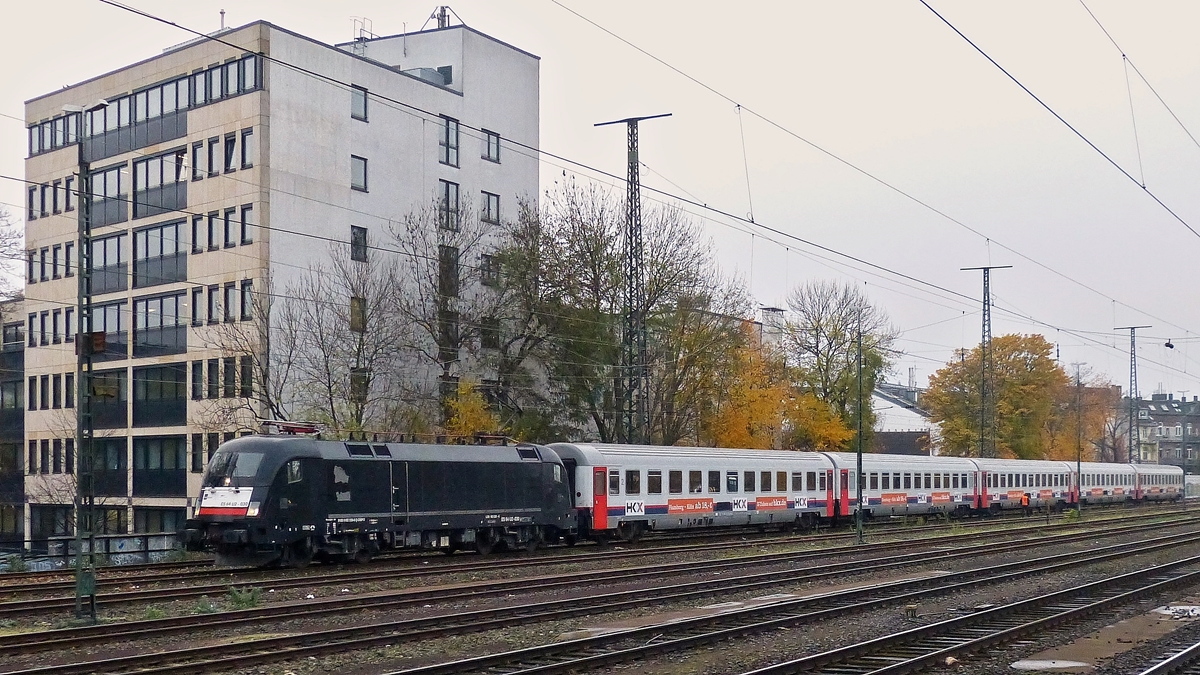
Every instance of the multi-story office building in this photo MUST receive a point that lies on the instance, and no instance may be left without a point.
(220, 169)
(12, 425)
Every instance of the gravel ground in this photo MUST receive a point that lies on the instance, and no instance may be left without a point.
(1137, 660)
(748, 653)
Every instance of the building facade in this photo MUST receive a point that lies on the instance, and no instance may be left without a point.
(12, 425)
(222, 170)
(1168, 431)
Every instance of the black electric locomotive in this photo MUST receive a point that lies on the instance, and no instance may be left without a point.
(287, 499)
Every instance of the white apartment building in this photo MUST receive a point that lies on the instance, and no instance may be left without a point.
(219, 167)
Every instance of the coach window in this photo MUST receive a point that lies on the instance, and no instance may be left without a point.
(886, 484)
(937, 481)
(811, 481)
(797, 481)
(633, 482)
(614, 482)
(954, 481)
(908, 481)
(294, 471)
(764, 481)
(928, 482)
(695, 482)
(675, 482)
(731, 481)
(874, 484)
(654, 482)
(749, 480)
(823, 486)
(781, 481)
(714, 481)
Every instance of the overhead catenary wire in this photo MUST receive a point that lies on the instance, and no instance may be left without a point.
(696, 203)
(867, 174)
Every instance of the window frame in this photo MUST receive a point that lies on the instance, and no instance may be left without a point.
(365, 180)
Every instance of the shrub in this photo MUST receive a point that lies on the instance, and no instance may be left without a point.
(246, 597)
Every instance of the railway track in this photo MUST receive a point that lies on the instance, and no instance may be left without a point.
(250, 652)
(1185, 662)
(900, 653)
(112, 595)
(121, 584)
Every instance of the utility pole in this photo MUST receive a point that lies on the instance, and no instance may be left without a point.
(987, 416)
(1133, 395)
(86, 342)
(1078, 438)
(634, 422)
(859, 479)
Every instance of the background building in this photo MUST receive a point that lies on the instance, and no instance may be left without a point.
(225, 173)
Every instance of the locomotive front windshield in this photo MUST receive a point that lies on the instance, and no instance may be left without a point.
(232, 469)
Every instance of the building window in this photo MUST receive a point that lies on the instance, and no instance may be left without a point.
(68, 193)
(491, 208)
(358, 314)
(491, 146)
(43, 334)
(159, 326)
(197, 453)
(448, 144)
(247, 148)
(247, 299)
(448, 206)
(198, 160)
(160, 467)
(55, 196)
(358, 173)
(247, 224)
(229, 366)
(31, 212)
(246, 390)
(12, 395)
(44, 398)
(55, 262)
(489, 333)
(197, 380)
(358, 243)
(212, 230)
(197, 234)
(230, 152)
(44, 457)
(214, 154)
(69, 259)
(56, 398)
(160, 395)
(230, 301)
(56, 326)
(214, 380)
(69, 324)
(42, 265)
(157, 255)
(447, 271)
(57, 454)
(489, 268)
(31, 271)
(69, 390)
(44, 202)
(358, 103)
(197, 300)
(31, 464)
(213, 315)
(155, 521)
(109, 271)
(162, 171)
(230, 222)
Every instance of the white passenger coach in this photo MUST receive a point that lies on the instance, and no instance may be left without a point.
(622, 491)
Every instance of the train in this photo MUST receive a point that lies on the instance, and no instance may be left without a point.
(287, 500)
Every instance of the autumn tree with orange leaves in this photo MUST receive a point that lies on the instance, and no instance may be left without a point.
(1039, 412)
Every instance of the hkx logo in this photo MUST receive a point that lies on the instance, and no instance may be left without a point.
(635, 508)
(740, 505)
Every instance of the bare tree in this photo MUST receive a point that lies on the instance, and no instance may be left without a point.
(820, 340)
(12, 253)
(442, 282)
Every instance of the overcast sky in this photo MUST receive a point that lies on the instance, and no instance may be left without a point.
(885, 86)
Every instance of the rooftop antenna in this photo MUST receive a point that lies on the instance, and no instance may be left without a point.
(222, 19)
(442, 13)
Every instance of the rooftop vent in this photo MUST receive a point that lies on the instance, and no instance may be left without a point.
(439, 76)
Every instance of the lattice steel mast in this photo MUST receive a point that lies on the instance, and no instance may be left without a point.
(634, 423)
(1133, 396)
(987, 404)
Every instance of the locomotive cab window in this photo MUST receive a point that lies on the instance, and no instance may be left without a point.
(614, 482)
(558, 473)
(633, 482)
(381, 451)
(293, 471)
(714, 481)
(695, 483)
(654, 482)
(528, 452)
(675, 482)
(359, 450)
(731, 481)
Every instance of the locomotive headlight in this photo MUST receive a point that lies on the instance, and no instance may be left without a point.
(252, 510)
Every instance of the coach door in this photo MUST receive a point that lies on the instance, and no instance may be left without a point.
(830, 503)
(399, 492)
(981, 494)
(844, 499)
(599, 498)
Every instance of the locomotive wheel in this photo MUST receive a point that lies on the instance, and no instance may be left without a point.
(362, 556)
(569, 540)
